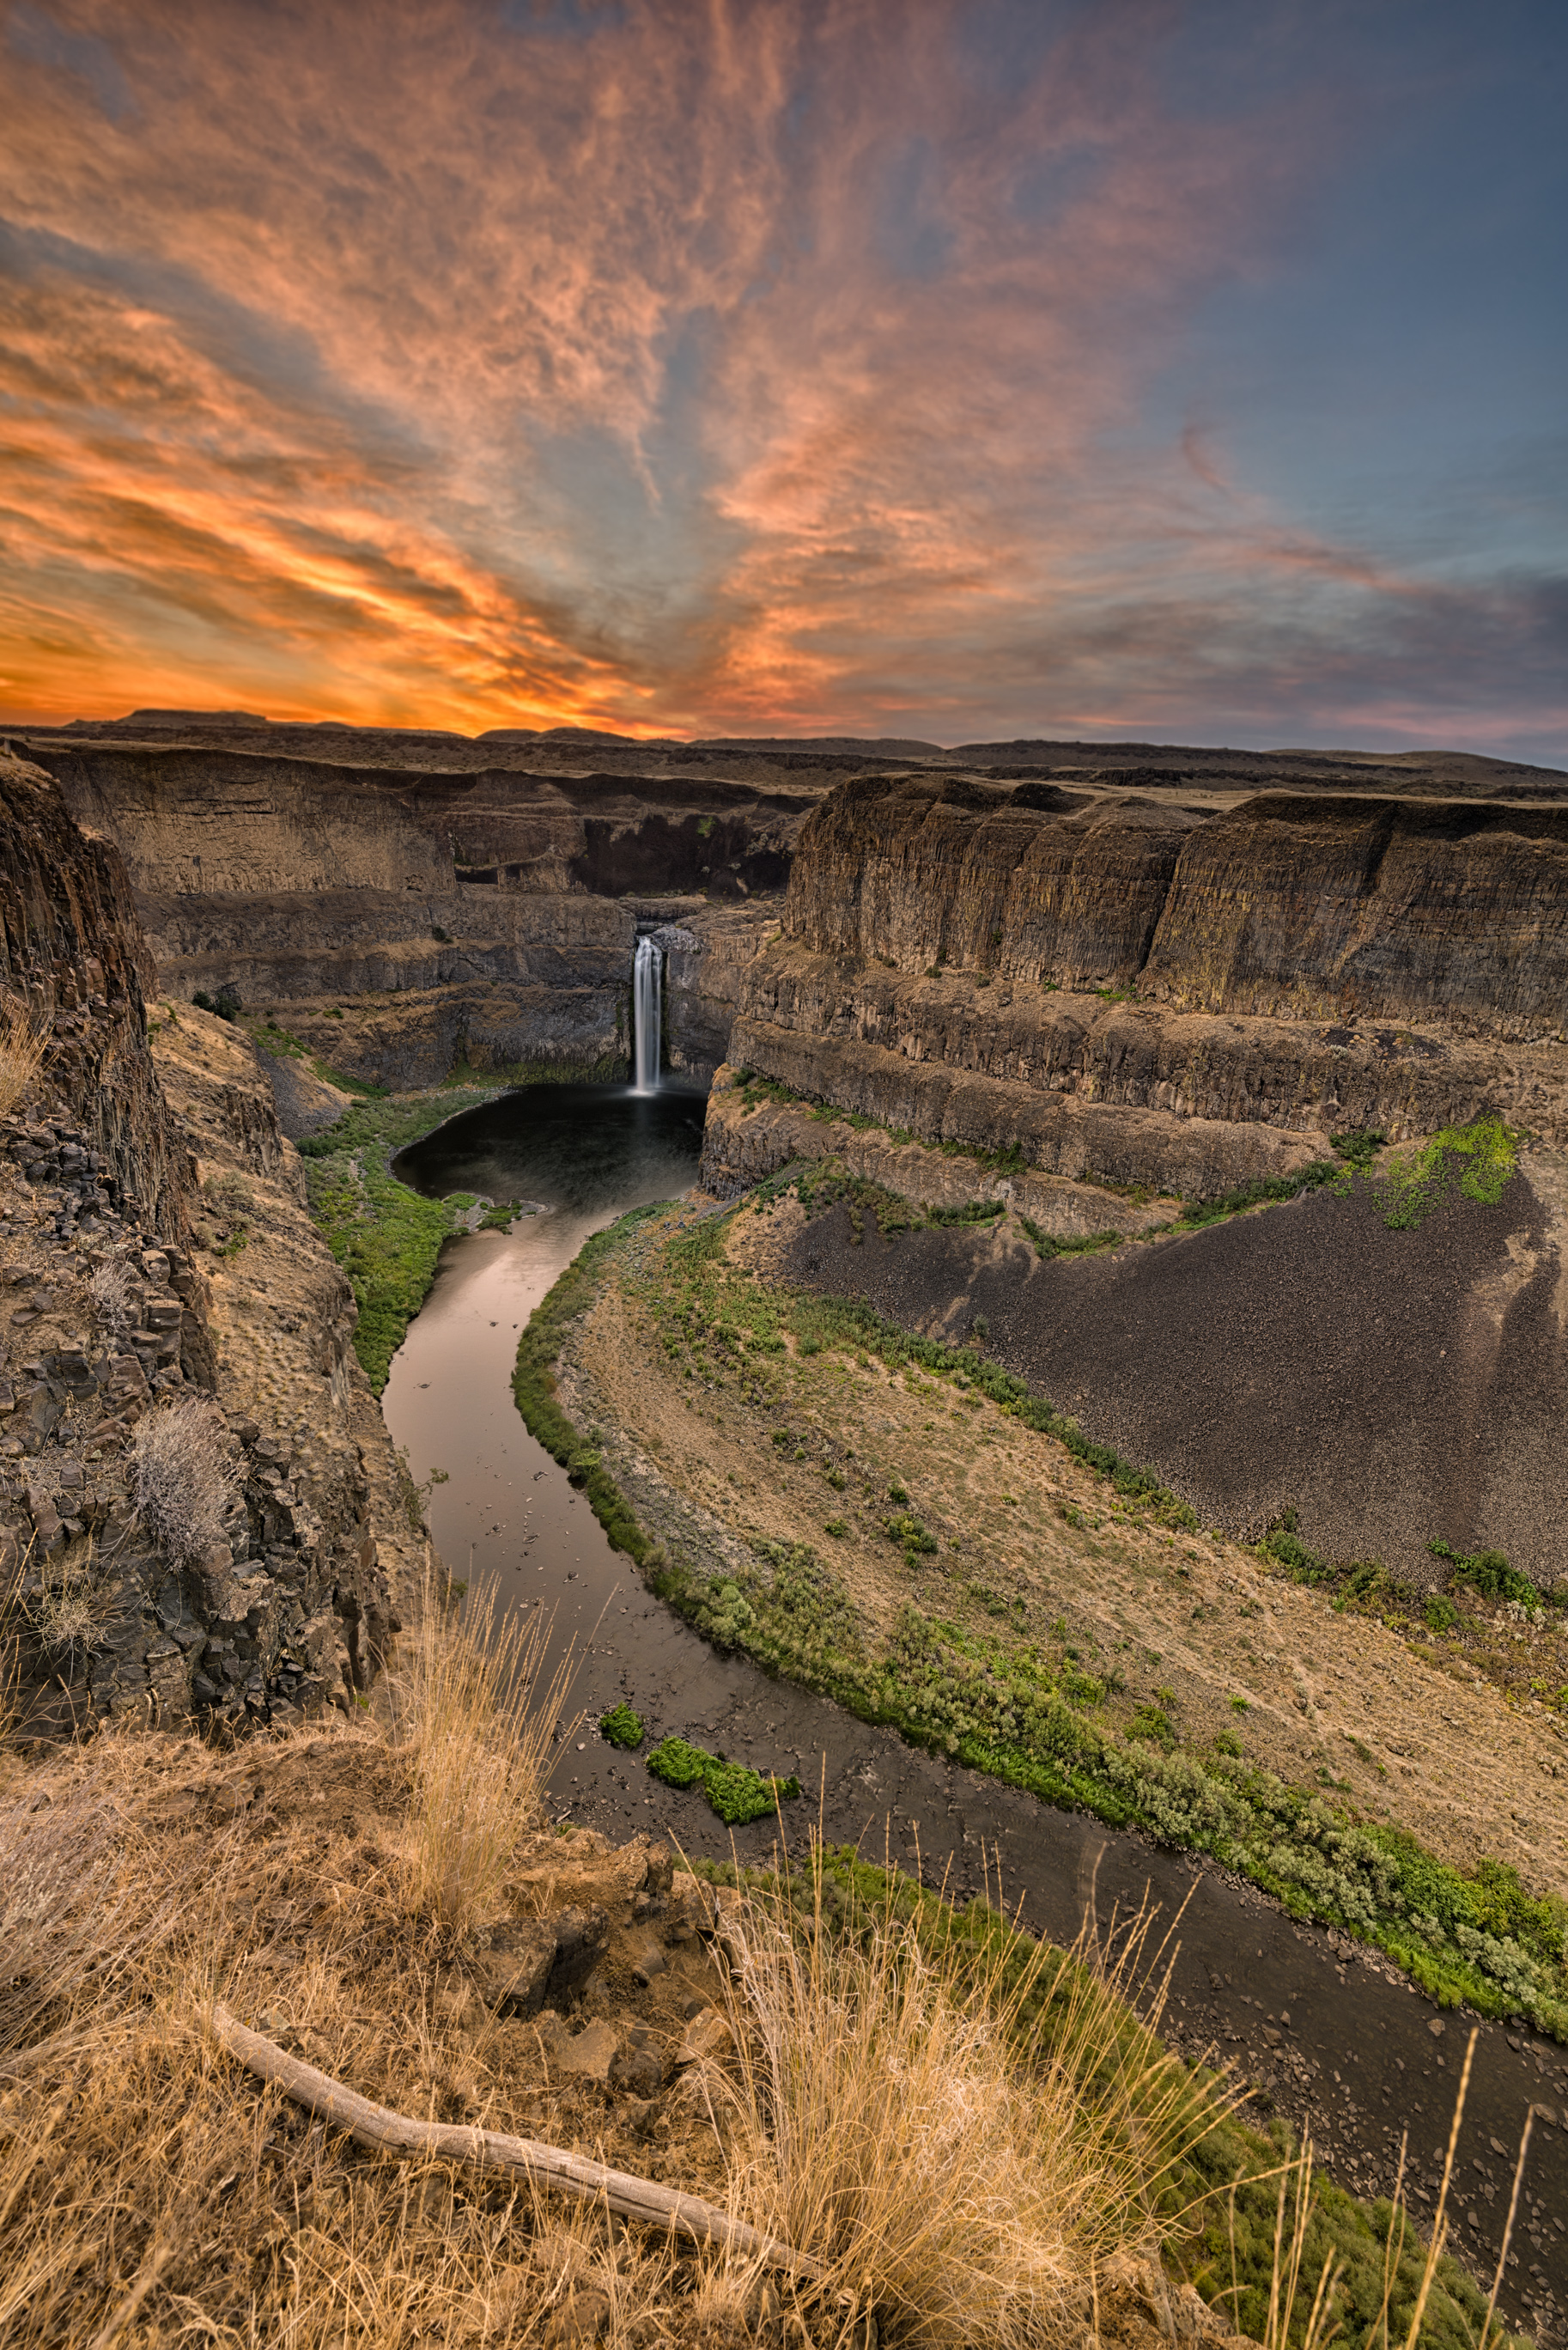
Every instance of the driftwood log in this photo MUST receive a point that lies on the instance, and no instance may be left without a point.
(545, 2166)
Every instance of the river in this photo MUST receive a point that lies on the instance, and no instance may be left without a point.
(1333, 2034)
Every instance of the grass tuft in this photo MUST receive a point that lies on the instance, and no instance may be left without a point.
(480, 1730)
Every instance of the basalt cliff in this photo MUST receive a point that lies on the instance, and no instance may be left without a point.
(1144, 995)
(403, 901)
(155, 1252)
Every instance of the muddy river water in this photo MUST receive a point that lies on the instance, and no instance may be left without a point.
(1329, 2034)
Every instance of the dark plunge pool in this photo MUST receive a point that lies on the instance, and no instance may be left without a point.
(505, 1515)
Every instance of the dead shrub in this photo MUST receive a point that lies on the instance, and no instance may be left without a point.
(113, 1292)
(187, 1478)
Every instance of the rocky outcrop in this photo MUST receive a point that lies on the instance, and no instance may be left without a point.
(1455, 915)
(73, 968)
(1037, 883)
(1262, 979)
(707, 954)
(155, 1256)
(1122, 1092)
(745, 1139)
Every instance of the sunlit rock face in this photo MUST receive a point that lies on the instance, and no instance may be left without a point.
(1289, 903)
(1145, 994)
(1040, 883)
(1377, 907)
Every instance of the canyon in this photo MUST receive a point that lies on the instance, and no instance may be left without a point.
(956, 1013)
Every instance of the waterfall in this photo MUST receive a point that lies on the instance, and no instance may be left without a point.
(647, 1015)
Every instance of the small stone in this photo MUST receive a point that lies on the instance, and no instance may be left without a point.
(591, 2052)
(581, 1937)
(639, 2066)
(511, 1974)
(707, 2037)
(648, 1963)
(1437, 2027)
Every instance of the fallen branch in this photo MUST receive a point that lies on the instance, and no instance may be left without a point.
(481, 2149)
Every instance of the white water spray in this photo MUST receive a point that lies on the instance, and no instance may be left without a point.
(647, 1016)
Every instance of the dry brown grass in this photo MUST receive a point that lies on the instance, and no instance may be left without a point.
(151, 2191)
(480, 1730)
(914, 2112)
(21, 1054)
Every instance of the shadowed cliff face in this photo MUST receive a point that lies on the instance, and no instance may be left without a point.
(473, 909)
(73, 963)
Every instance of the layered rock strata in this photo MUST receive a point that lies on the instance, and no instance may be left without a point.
(1262, 979)
(1335, 908)
(150, 1214)
(745, 1140)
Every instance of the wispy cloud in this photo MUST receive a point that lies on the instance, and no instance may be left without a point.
(731, 365)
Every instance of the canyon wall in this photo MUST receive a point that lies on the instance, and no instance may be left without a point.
(1144, 995)
(438, 902)
(1314, 908)
(156, 1256)
(74, 966)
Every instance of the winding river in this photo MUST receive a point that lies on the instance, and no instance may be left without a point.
(1328, 2034)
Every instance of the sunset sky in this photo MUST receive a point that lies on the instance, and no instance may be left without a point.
(1189, 370)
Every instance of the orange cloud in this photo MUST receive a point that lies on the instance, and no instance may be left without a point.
(750, 365)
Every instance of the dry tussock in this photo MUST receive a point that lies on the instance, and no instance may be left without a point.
(480, 1730)
(150, 2187)
(21, 1055)
(961, 2123)
(914, 2111)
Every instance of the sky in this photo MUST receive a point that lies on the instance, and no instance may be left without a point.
(1189, 370)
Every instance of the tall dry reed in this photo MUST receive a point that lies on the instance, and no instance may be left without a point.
(21, 1055)
(480, 1726)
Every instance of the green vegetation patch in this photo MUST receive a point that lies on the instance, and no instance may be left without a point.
(737, 1792)
(386, 1238)
(1477, 1160)
(534, 1385)
(1488, 1572)
(1051, 1244)
(622, 1727)
(1367, 1582)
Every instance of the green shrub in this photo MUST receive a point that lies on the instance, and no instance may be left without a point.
(1258, 1194)
(1051, 1244)
(1359, 1150)
(621, 1727)
(737, 1792)
(1483, 1155)
(1489, 1572)
(1438, 1615)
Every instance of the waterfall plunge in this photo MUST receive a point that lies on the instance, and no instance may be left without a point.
(647, 1016)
